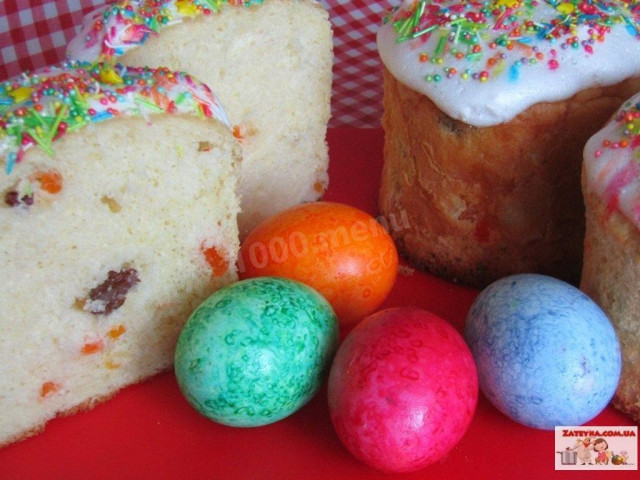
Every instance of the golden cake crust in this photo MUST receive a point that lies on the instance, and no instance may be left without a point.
(611, 277)
(482, 203)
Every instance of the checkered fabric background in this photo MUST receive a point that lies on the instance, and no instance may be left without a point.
(33, 33)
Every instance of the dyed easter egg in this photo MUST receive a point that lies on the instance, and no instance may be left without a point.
(402, 390)
(256, 351)
(546, 354)
(339, 250)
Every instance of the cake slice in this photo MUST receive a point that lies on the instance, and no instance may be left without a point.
(118, 216)
(270, 62)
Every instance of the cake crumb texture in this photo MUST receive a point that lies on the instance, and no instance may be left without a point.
(612, 278)
(270, 63)
(100, 274)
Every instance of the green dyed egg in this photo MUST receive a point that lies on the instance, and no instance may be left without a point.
(256, 351)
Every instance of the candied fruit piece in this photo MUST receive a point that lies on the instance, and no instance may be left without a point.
(205, 146)
(48, 388)
(238, 132)
(111, 294)
(112, 203)
(92, 347)
(111, 364)
(116, 331)
(50, 181)
(217, 262)
(79, 303)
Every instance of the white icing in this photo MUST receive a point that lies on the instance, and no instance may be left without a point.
(509, 88)
(88, 45)
(112, 30)
(74, 94)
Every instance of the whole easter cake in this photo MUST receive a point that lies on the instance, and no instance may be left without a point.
(611, 272)
(488, 106)
(270, 62)
(117, 218)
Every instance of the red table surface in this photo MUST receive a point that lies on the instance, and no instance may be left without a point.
(149, 431)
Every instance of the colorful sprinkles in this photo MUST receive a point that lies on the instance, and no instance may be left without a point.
(628, 130)
(111, 31)
(481, 32)
(612, 161)
(38, 108)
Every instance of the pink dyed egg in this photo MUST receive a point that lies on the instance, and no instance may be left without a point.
(402, 389)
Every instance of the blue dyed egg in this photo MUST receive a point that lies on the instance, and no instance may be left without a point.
(256, 351)
(546, 354)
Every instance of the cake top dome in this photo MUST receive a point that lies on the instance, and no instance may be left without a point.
(39, 107)
(111, 30)
(485, 61)
(612, 161)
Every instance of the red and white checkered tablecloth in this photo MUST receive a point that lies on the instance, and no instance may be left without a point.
(33, 33)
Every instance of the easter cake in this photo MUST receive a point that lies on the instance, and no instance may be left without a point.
(271, 64)
(611, 272)
(118, 217)
(487, 107)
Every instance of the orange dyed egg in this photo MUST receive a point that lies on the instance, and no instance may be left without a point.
(341, 251)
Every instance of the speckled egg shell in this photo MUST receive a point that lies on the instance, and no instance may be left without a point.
(546, 354)
(256, 351)
(402, 390)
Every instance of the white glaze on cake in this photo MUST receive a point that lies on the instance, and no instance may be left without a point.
(612, 161)
(111, 31)
(484, 62)
(39, 107)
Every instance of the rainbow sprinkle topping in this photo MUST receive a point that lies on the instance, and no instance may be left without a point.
(612, 161)
(483, 31)
(36, 109)
(110, 31)
(627, 130)
(520, 52)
